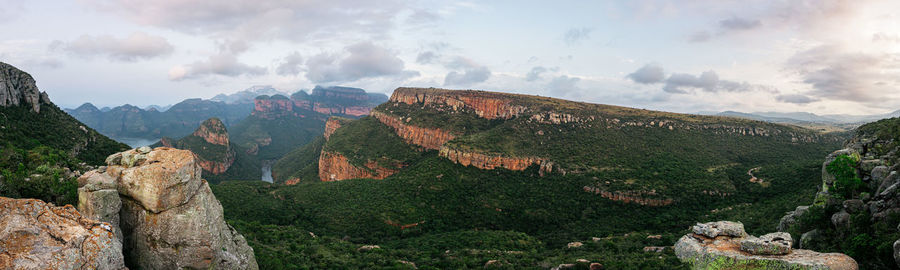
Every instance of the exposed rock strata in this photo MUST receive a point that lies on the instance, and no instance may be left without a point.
(490, 162)
(425, 137)
(709, 247)
(331, 125)
(169, 217)
(336, 167)
(272, 107)
(37, 235)
(637, 197)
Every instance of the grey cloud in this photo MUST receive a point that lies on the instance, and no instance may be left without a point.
(648, 74)
(467, 72)
(736, 23)
(364, 60)
(563, 85)
(224, 64)
(679, 83)
(535, 73)
(290, 65)
(135, 47)
(796, 99)
(575, 35)
(835, 73)
(426, 57)
(699, 36)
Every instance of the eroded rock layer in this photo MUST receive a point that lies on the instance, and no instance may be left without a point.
(336, 167)
(425, 137)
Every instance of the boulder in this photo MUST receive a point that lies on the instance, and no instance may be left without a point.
(827, 177)
(854, 206)
(778, 243)
(713, 229)
(841, 220)
(724, 251)
(897, 252)
(37, 235)
(792, 218)
(809, 239)
(159, 180)
(889, 181)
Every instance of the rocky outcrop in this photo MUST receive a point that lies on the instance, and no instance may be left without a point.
(336, 167)
(627, 196)
(210, 143)
(489, 161)
(725, 245)
(213, 131)
(425, 137)
(18, 88)
(168, 216)
(485, 104)
(37, 235)
(273, 107)
(331, 125)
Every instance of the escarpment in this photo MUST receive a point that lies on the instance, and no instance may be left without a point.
(166, 214)
(336, 167)
(485, 104)
(18, 88)
(425, 137)
(490, 162)
(210, 143)
(333, 124)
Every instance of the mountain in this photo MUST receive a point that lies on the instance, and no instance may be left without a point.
(247, 95)
(135, 126)
(449, 178)
(216, 155)
(830, 122)
(42, 148)
(857, 209)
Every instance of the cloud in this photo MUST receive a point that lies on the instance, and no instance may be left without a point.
(290, 65)
(796, 99)
(363, 60)
(466, 72)
(834, 72)
(648, 74)
(535, 73)
(137, 46)
(224, 64)
(736, 23)
(575, 35)
(699, 36)
(563, 85)
(261, 20)
(426, 57)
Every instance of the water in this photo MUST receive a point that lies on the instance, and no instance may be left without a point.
(137, 142)
(267, 170)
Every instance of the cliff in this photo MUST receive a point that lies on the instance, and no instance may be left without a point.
(725, 245)
(213, 131)
(490, 162)
(332, 125)
(859, 198)
(273, 107)
(167, 215)
(37, 235)
(336, 167)
(636, 197)
(18, 88)
(210, 143)
(428, 138)
(489, 105)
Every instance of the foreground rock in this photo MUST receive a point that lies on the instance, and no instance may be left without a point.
(37, 235)
(170, 219)
(705, 248)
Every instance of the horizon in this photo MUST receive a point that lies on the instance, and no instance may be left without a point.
(821, 57)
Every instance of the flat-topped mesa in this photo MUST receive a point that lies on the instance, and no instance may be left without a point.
(213, 131)
(489, 105)
(340, 92)
(272, 107)
(17, 88)
(336, 167)
(725, 245)
(167, 214)
(428, 138)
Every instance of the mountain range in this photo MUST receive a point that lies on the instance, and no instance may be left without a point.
(829, 122)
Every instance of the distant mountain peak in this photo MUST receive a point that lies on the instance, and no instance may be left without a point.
(17, 87)
(249, 94)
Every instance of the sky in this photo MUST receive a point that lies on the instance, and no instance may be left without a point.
(823, 56)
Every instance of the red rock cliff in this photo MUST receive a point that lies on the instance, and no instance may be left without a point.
(336, 167)
(485, 104)
(272, 107)
(630, 196)
(490, 162)
(213, 131)
(331, 125)
(424, 137)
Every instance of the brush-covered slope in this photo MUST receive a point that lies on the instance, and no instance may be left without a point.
(556, 170)
(217, 156)
(41, 147)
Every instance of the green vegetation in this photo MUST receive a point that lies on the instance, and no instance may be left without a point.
(302, 163)
(40, 173)
(276, 137)
(367, 139)
(846, 181)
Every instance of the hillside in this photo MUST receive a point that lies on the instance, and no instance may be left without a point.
(559, 171)
(217, 156)
(857, 208)
(42, 148)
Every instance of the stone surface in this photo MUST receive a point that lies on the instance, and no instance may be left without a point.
(724, 251)
(336, 167)
(18, 88)
(791, 218)
(169, 217)
(808, 239)
(37, 235)
(778, 243)
(724, 228)
(429, 138)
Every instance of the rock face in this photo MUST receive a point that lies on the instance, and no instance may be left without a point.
(18, 88)
(725, 245)
(637, 197)
(169, 217)
(272, 107)
(425, 137)
(211, 144)
(336, 167)
(331, 125)
(36, 235)
(485, 104)
(213, 131)
(490, 162)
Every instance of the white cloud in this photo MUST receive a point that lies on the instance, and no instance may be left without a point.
(224, 64)
(363, 60)
(137, 46)
(465, 72)
(290, 65)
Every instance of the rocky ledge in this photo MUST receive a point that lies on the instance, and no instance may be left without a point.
(167, 216)
(725, 245)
